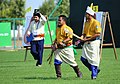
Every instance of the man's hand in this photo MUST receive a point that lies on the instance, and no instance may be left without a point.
(53, 47)
(62, 44)
(84, 40)
(77, 42)
(32, 18)
(25, 40)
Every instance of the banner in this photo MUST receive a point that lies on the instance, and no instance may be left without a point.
(53, 30)
(5, 34)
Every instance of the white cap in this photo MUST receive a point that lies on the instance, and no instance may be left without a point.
(90, 11)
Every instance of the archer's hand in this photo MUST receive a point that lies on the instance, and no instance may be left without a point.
(83, 40)
(32, 18)
(77, 42)
(54, 46)
(62, 44)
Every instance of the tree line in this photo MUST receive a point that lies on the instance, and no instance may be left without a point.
(16, 8)
(12, 8)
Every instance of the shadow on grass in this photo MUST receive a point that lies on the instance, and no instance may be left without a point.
(15, 61)
(7, 66)
(52, 78)
(42, 78)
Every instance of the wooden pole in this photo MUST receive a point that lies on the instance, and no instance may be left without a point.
(49, 31)
(106, 15)
(116, 57)
(52, 51)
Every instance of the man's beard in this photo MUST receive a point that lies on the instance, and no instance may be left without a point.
(36, 20)
(59, 25)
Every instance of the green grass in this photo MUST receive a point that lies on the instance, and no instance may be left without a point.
(13, 70)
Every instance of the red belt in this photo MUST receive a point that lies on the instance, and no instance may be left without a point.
(40, 35)
(61, 47)
(92, 39)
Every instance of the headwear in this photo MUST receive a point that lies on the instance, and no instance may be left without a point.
(36, 14)
(90, 11)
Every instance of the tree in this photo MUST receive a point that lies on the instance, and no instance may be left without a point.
(64, 8)
(3, 8)
(49, 5)
(12, 8)
(17, 9)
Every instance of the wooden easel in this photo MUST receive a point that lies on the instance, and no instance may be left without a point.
(104, 18)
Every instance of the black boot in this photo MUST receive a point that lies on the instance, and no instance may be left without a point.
(77, 71)
(58, 70)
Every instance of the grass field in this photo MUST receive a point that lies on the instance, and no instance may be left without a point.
(13, 70)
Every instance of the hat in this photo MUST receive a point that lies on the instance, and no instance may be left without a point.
(90, 11)
(36, 14)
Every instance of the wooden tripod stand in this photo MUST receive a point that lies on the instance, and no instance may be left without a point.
(104, 18)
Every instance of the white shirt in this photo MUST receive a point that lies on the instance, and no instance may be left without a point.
(37, 28)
